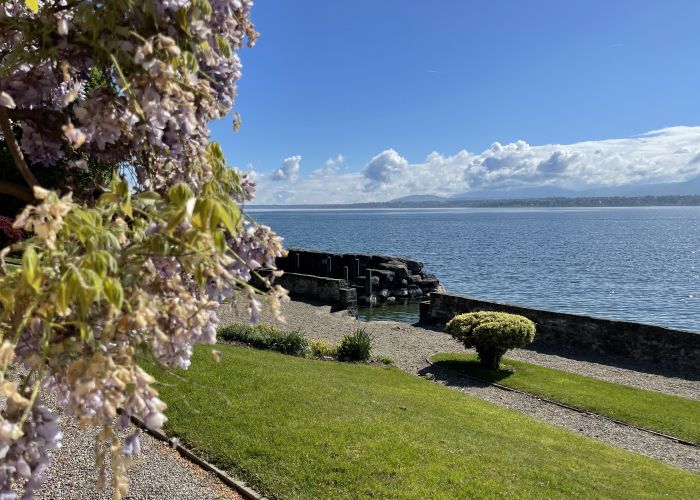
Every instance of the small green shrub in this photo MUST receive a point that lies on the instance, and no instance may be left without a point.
(265, 337)
(491, 334)
(322, 349)
(293, 343)
(356, 347)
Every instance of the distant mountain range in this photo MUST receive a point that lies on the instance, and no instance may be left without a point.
(644, 195)
(691, 187)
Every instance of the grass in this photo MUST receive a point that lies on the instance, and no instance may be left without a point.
(679, 417)
(300, 428)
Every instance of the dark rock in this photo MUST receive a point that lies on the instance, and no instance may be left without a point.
(399, 292)
(415, 279)
(397, 267)
(428, 284)
(415, 291)
(414, 266)
(383, 293)
(385, 277)
(391, 299)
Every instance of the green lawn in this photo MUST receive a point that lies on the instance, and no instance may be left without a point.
(679, 417)
(299, 428)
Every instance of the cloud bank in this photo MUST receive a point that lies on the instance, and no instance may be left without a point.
(666, 155)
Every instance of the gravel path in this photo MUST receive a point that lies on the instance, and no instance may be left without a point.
(159, 473)
(409, 346)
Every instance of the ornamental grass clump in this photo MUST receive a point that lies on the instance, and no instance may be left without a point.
(356, 347)
(491, 334)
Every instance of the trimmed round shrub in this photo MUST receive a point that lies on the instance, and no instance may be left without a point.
(356, 347)
(491, 334)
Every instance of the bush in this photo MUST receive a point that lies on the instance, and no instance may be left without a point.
(265, 337)
(293, 343)
(356, 346)
(491, 334)
(322, 349)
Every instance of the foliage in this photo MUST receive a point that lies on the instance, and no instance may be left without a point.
(322, 349)
(265, 337)
(135, 230)
(341, 430)
(491, 333)
(356, 346)
(649, 409)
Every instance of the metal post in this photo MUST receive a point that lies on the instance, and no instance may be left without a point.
(368, 288)
(328, 263)
(346, 272)
(297, 255)
(357, 268)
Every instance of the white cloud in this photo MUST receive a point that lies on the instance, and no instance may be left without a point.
(289, 171)
(383, 168)
(330, 167)
(666, 155)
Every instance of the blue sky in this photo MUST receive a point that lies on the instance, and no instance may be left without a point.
(363, 78)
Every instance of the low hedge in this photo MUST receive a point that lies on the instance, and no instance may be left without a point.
(265, 337)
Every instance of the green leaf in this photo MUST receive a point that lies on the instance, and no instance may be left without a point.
(147, 198)
(90, 288)
(33, 5)
(202, 214)
(63, 297)
(7, 298)
(31, 271)
(180, 194)
(113, 292)
(230, 215)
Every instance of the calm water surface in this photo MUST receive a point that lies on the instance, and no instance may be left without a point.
(638, 264)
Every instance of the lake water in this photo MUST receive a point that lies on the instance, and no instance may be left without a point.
(637, 264)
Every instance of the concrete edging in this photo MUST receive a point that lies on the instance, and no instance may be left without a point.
(245, 491)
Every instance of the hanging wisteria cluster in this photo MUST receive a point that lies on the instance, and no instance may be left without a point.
(131, 267)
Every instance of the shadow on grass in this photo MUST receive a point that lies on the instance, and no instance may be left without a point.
(473, 368)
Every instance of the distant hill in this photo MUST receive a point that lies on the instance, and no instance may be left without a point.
(415, 198)
(548, 202)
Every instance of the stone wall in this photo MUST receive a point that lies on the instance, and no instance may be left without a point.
(674, 349)
(327, 290)
(380, 277)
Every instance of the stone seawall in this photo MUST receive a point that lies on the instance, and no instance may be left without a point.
(638, 341)
(327, 290)
(374, 277)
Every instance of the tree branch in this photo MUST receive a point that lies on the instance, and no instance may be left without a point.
(16, 191)
(15, 151)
